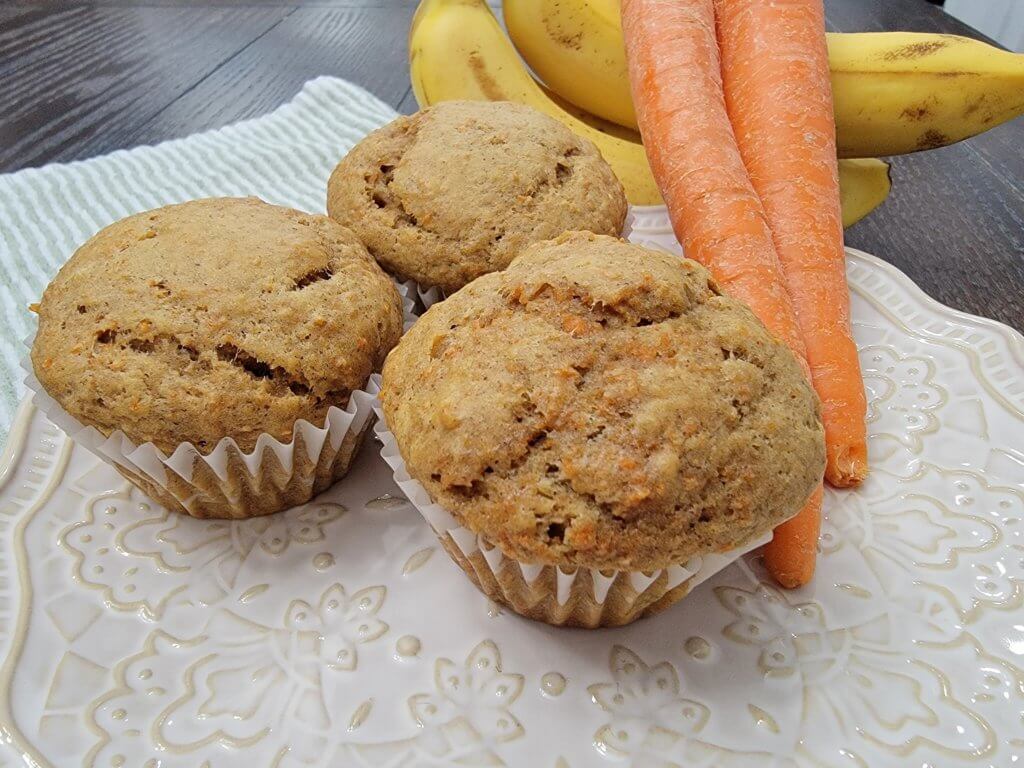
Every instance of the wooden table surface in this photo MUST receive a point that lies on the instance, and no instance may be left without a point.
(79, 79)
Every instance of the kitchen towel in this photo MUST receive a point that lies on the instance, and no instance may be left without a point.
(284, 157)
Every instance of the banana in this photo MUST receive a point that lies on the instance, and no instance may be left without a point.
(863, 186)
(894, 92)
(898, 92)
(457, 50)
(561, 40)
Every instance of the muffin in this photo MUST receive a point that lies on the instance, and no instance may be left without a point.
(227, 334)
(458, 189)
(600, 409)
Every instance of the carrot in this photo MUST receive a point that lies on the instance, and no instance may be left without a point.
(790, 555)
(779, 100)
(715, 212)
(675, 76)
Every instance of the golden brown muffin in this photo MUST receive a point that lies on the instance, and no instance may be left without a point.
(215, 318)
(458, 189)
(600, 404)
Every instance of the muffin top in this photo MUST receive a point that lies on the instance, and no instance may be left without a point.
(604, 405)
(458, 189)
(213, 318)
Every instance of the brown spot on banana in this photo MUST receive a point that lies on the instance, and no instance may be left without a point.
(931, 139)
(916, 112)
(571, 39)
(915, 50)
(975, 105)
(485, 79)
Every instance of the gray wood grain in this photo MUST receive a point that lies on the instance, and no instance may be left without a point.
(363, 45)
(75, 80)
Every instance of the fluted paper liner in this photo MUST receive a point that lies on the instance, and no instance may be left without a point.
(227, 482)
(578, 597)
(427, 297)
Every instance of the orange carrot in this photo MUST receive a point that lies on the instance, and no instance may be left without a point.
(715, 212)
(675, 76)
(790, 555)
(779, 99)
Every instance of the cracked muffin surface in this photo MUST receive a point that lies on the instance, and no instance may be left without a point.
(213, 318)
(458, 189)
(601, 404)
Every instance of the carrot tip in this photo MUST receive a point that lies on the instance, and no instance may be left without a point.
(847, 471)
(789, 574)
(790, 555)
(793, 581)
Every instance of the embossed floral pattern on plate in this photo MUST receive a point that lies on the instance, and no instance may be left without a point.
(337, 634)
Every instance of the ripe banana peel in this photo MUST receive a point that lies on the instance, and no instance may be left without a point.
(560, 41)
(898, 92)
(457, 50)
(894, 92)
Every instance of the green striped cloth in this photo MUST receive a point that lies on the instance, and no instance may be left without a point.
(284, 157)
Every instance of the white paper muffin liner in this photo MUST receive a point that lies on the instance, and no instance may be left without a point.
(631, 214)
(425, 297)
(227, 482)
(585, 597)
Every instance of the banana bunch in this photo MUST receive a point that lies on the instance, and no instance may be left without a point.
(457, 50)
(894, 92)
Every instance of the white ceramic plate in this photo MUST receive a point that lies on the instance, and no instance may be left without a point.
(339, 634)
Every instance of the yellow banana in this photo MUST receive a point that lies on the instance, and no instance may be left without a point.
(457, 50)
(894, 92)
(562, 40)
(863, 185)
(897, 92)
